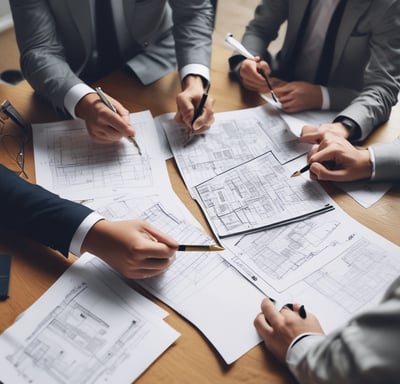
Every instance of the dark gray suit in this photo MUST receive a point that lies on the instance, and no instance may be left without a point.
(364, 79)
(56, 39)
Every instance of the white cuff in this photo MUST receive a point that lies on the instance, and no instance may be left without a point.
(298, 348)
(326, 101)
(372, 157)
(195, 69)
(73, 96)
(82, 231)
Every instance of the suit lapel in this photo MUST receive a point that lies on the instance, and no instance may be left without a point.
(352, 13)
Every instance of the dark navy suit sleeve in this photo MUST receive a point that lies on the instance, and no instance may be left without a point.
(37, 213)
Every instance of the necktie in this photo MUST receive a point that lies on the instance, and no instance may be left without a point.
(325, 62)
(109, 57)
(288, 72)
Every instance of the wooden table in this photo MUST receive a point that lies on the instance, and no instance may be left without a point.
(192, 358)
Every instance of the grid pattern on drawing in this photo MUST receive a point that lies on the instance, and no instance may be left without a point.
(257, 194)
(191, 270)
(77, 161)
(222, 148)
(353, 280)
(73, 344)
(279, 251)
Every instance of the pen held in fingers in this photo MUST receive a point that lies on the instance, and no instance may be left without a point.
(302, 170)
(266, 78)
(199, 110)
(107, 102)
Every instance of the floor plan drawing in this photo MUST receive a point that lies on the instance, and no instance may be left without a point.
(85, 331)
(195, 279)
(357, 276)
(234, 139)
(258, 194)
(277, 256)
(69, 163)
(72, 343)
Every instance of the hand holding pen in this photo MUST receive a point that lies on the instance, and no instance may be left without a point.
(107, 102)
(252, 84)
(195, 106)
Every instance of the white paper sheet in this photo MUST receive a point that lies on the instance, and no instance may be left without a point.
(89, 327)
(201, 286)
(70, 164)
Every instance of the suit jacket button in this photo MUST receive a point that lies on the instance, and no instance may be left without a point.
(146, 43)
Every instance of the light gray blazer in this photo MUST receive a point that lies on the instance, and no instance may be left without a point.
(387, 160)
(56, 39)
(365, 351)
(365, 76)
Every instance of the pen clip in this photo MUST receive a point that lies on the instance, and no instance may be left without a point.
(237, 46)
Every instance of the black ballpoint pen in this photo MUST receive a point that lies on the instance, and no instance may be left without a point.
(104, 99)
(198, 111)
(302, 170)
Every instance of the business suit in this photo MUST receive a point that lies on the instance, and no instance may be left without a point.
(364, 79)
(60, 44)
(365, 351)
(34, 212)
(387, 160)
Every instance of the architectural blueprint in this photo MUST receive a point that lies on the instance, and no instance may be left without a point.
(69, 163)
(258, 194)
(196, 280)
(234, 138)
(330, 263)
(89, 327)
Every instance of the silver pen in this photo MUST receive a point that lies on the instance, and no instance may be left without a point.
(109, 105)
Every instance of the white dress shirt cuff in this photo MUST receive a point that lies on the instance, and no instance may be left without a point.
(73, 96)
(299, 347)
(326, 101)
(195, 69)
(82, 231)
(372, 158)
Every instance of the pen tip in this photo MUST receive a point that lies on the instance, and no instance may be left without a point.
(294, 174)
(216, 248)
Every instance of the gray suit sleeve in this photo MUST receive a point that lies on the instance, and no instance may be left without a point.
(42, 57)
(387, 161)
(372, 106)
(365, 351)
(193, 27)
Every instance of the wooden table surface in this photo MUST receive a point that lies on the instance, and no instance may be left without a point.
(192, 358)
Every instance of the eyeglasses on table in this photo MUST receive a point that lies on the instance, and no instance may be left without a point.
(14, 135)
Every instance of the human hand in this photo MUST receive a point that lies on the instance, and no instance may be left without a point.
(251, 74)
(188, 100)
(133, 248)
(279, 328)
(336, 159)
(313, 134)
(297, 96)
(104, 125)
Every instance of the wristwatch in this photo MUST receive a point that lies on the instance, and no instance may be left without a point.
(351, 125)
